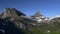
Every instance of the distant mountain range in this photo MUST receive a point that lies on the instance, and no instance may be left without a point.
(12, 19)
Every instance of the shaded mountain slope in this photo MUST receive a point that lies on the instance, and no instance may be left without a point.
(9, 27)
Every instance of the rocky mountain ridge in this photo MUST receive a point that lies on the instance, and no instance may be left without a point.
(20, 21)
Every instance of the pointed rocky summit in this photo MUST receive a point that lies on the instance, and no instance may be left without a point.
(37, 14)
(11, 12)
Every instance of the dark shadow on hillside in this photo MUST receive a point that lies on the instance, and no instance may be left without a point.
(9, 28)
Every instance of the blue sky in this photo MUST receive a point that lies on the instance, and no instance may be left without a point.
(47, 8)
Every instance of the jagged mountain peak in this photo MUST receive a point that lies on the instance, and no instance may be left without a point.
(11, 12)
(38, 13)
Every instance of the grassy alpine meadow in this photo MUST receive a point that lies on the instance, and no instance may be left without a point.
(45, 29)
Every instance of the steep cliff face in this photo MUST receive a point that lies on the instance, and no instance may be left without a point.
(10, 21)
(11, 12)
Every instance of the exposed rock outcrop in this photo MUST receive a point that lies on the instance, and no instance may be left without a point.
(11, 12)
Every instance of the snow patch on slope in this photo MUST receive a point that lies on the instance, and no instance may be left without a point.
(54, 17)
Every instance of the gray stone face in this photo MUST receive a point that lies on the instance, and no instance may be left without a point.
(11, 12)
(6, 12)
(37, 14)
(0, 16)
